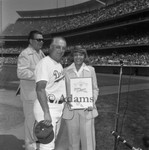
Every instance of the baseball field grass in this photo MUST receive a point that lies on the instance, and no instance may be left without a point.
(133, 114)
(133, 118)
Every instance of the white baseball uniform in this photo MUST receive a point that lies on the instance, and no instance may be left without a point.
(52, 72)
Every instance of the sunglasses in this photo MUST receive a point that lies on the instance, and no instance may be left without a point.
(39, 40)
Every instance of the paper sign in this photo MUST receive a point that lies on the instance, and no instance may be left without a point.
(81, 93)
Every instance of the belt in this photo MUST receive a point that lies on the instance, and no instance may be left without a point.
(59, 102)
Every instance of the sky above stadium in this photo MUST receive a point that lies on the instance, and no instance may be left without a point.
(8, 8)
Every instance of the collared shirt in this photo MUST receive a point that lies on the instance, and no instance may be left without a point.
(27, 62)
(79, 73)
(85, 71)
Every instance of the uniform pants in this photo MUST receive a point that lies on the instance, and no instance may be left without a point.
(56, 112)
(81, 132)
(30, 143)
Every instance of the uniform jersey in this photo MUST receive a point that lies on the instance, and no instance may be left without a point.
(52, 72)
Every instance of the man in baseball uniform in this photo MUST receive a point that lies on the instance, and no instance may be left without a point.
(50, 88)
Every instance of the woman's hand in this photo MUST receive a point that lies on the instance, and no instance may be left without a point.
(89, 108)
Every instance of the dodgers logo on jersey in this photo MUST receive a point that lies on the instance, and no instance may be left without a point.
(58, 75)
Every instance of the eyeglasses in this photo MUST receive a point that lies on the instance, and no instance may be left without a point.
(39, 40)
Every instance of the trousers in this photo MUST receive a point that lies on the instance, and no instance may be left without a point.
(30, 143)
(56, 113)
(81, 132)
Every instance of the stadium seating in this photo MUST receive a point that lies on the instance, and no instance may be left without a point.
(69, 22)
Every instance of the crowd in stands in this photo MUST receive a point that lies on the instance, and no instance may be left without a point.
(127, 59)
(10, 50)
(141, 59)
(94, 44)
(8, 60)
(118, 41)
(57, 24)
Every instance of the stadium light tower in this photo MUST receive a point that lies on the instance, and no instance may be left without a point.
(101, 2)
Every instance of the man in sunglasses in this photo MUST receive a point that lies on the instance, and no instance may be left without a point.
(27, 61)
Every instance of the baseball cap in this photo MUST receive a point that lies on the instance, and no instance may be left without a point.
(43, 132)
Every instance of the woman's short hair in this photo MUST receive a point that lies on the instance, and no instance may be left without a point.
(79, 49)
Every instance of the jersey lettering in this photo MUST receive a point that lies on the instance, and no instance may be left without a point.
(58, 75)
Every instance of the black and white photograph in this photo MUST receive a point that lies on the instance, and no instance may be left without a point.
(74, 74)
